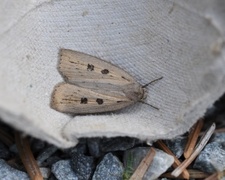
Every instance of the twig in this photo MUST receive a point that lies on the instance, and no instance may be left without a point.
(192, 138)
(176, 163)
(27, 157)
(144, 165)
(197, 150)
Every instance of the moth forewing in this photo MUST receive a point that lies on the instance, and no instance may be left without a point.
(69, 98)
(85, 70)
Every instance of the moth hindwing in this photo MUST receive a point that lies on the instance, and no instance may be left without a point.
(93, 85)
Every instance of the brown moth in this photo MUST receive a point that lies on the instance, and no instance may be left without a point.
(93, 85)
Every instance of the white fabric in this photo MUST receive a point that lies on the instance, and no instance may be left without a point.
(179, 40)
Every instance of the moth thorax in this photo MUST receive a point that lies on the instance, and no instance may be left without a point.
(136, 94)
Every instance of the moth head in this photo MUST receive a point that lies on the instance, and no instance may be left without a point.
(134, 92)
(139, 94)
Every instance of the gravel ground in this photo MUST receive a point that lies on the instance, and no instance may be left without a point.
(110, 159)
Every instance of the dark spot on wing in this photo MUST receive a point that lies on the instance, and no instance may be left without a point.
(83, 100)
(119, 101)
(90, 67)
(99, 101)
(105, 71)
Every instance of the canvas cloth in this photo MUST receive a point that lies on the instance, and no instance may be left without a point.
(183, 41)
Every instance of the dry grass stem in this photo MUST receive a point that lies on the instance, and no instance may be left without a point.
(192, 138)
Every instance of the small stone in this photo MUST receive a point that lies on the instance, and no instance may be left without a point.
(81, 147)
(62, 170)
(110, 168)
(52, 177)
(51, 160)
(82, 165)
(117, 144)
(98, 146)
(161, 162)
(159, 165)
(45, 172)
(4, 152)
(37, 145)
(9, 173)
(13, 149)
(94, 147)
(218, 137)
(132, 159)
(46, 154)
(177, 145)
(212, 158)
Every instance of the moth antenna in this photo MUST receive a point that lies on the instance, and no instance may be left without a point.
(152, 82)
(150, 105)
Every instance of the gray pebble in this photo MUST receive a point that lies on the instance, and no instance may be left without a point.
(4, 152)
(62, 170)
(117, 144)
(177, 145)
(9, 173)
(82, 165)
(46, 154)
(212, 158)
(110, 168)
(94, 147)
(161, 162)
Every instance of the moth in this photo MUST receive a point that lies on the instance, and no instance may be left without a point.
(93, 85)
